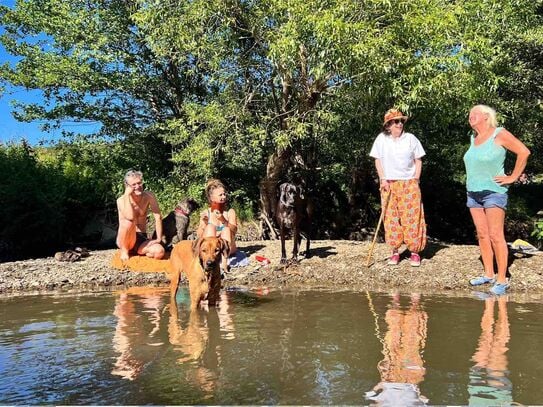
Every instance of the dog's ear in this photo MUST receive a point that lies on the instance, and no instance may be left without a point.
(196, 246)
(300, 191)
(193, 205)
(225, 247)
(282, 192)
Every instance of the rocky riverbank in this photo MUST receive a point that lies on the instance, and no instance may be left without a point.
(333, 264)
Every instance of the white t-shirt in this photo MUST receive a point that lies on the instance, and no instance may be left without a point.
(397, 155)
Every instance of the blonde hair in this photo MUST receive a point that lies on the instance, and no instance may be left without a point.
(491, 113)
(212, 185)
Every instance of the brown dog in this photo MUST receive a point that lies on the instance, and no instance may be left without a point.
(200, 261)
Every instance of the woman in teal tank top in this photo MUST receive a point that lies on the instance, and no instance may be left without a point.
(487, 185)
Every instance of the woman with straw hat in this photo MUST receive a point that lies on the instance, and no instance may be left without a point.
(398, 162)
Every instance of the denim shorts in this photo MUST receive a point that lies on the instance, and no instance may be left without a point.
(486, 199)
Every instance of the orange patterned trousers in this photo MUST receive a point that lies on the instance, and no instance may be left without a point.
(404, 215)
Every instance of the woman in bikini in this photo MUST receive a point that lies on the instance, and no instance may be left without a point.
(217, 220)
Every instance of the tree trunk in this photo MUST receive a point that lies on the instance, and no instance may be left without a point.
(276, 168)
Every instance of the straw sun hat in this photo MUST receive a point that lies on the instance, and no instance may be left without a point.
(392, 114)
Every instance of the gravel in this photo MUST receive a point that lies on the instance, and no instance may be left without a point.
(336, 264)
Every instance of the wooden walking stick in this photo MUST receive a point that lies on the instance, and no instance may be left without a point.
(383, 210)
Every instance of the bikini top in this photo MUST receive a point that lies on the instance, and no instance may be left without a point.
(218, 228)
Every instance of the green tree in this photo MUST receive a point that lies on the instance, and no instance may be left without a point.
(33, 196)
(258, 91)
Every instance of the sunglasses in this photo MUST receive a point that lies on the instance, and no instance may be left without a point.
(397, 121)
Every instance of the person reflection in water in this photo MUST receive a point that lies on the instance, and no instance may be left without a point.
(488, 381)
(132, 332)
(402, 368)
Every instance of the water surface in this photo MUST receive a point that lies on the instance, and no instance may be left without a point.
(283, 347)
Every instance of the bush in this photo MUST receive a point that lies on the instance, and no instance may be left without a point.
(33, 200)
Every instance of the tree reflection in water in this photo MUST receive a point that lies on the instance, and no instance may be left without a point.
(402, 367)
(488, 379)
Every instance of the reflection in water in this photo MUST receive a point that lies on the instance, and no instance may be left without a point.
(194, 341)
(131, 329)
(141, 314)
(291, 347)
(402, 367)
(488, 381)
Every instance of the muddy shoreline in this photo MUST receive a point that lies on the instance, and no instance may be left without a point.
(334, 264)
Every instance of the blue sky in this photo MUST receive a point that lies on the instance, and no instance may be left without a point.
(10, 129)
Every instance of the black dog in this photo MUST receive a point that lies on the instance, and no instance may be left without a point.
(293, 213)
(176, 224)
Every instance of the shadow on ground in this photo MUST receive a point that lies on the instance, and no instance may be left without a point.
(322, 252)
(252, 249)
(432, 248)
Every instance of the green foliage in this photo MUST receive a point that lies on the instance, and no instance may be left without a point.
(186, 91)
(33, 198)
(538, 229)
(51, 194)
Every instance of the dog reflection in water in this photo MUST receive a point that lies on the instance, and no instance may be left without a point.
(402, 367)
(144, 327)
(488, 381)
(194, 343)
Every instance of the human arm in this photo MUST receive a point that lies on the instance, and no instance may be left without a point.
(418, 168)
(513, 144)
(204, 219)
(155, 209)
(383, 183)
(232, 221)
(418, 153)
(126, 206)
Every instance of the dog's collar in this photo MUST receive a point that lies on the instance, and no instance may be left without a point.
(180, 211)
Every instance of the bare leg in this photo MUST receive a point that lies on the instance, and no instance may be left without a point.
(483, 236)
(495, 221)
(481, 355)
(154, 251)
(126, 238)
(209, 231)
(227, 235)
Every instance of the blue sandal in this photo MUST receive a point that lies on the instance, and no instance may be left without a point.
(482, 280)
(499, 288)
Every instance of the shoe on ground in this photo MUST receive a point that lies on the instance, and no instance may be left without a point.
(68, 255)
(394, 259)
(499, 288)
(482, 280)
(414, 260)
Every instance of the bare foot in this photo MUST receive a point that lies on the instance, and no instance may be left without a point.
(124, 255)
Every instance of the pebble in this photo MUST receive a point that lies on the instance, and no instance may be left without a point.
(447, 269)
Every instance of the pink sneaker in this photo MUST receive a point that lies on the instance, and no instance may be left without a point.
(394, 259)
(414, 260)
